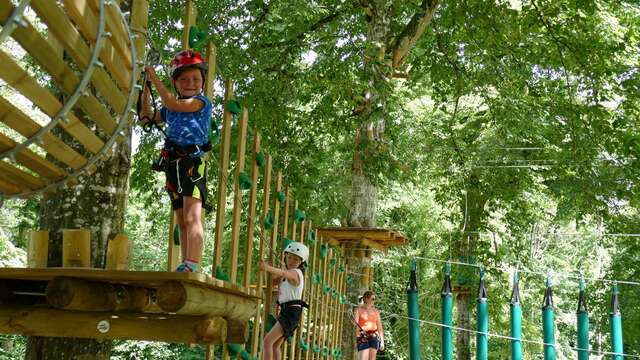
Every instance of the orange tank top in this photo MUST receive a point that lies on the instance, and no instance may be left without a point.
(368, 321)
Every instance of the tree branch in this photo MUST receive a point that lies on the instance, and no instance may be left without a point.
(412, 32)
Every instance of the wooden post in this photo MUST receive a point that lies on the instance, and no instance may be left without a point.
(190, 13)
(325, 301)
(38, 249)
(223, 178)
(268, 302)
(297, 354)
(118, 253)
(211, 55)
(248, 254)
(257, 334)
(237, 198)
(76, 248)
(312, 322)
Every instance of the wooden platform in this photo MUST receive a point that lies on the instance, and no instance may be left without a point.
(375, 238)
(142, 305)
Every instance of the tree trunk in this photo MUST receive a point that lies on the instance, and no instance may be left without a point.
(371, 110)
(97, 203)
(473, 203)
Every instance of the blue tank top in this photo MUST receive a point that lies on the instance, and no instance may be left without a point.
(189, 128)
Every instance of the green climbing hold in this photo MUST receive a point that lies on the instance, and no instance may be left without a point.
(197, 38)
(333, 262)
(221, 274)
(304, 345)
(312, 235)
(176, 235)
(341, 268)
(286, 242)
(298, 216)
(271, 321)
(327, 289)
(245, 181)
(342, 299)
(317, 278)
(233, 106)
(260, 159)
(325, 351)
(324, 250)
(281, 196)
(336, 353)
(234, 349)
(316, 349)
(334, 293)
(268, 222)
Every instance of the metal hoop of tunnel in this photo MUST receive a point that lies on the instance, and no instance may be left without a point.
(15, 20)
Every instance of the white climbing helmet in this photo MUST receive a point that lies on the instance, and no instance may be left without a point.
(299, 249)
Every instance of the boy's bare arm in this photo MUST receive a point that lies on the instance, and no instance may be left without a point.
(170, 101)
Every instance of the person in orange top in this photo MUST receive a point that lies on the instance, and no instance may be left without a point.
(369, 334)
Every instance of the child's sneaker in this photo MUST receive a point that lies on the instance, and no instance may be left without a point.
(187, 266)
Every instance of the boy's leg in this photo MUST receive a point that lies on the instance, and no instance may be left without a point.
(277, 351)
(192, 213)
(183, 232)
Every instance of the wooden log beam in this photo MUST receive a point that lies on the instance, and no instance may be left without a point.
(77, 294)
(188, 299)
(102, 326)
(373, 244)
(237, 332)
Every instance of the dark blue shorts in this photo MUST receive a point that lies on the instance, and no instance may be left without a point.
(368, 342)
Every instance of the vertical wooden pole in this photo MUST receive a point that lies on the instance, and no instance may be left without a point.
(324, 300)
(285, 234)
(268, 302)
(118, 256)
(211, 55)
(307, 291)
(312, 322)
(222, 178)
(76, 248)
(248, 254)
(38, 251)
(190, 13)
(257, 334)
(237, 198)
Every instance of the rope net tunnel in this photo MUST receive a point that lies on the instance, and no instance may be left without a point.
(64, 106)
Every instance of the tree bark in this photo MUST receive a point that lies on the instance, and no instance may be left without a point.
(472, 205)
(97, 203)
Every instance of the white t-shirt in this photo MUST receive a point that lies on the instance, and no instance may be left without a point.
(288, 292)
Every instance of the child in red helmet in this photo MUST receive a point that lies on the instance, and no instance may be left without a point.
(187, 116)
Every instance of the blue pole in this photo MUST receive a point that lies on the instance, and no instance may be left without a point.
(447, 315)
(516, 320)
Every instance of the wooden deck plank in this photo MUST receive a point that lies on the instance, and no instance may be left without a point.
(25, 126)
(20, 80)
(18, 176)
(137, 278)
(114, 25)
(60, 26)
(65, 78)
(87, 22)
(33, 321)
(32, 161)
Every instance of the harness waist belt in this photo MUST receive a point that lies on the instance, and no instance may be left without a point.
(295, 303)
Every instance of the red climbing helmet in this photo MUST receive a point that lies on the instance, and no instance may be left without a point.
(187, 58)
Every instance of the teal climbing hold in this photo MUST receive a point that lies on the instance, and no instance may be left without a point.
(325, 351)
(245, 181)
(298, 215)
(268, 222)
(327, 289)
(333, 262)
(343, 299)
(233, 106)
(312, 235)
(316, 349)
(221, 274)
(324, 250)
(304, 345)
(197, 38)
(260, 159)
(281, 196)
(341, 268)
(271, 321)
(176, 235)
(317, 278)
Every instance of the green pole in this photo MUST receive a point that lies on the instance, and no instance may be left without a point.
(414, 314)
(482, 339)
(616, 325)
(583, 324)
(548, 323)
(447, 315)
(516, 320)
